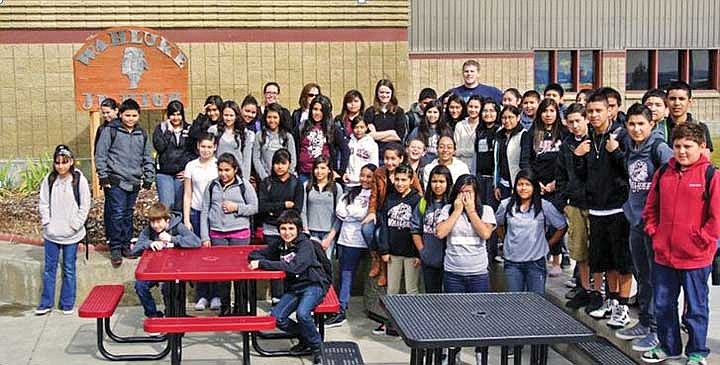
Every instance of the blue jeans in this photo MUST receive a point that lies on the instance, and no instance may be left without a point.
(321, 235)
(433, 279)
(170, 191)
(349, 258)
(303, 178)
(122, 205)
(142, 288)
(668, 282)
(525, 276)
(302, 302)
(67, 292)
(368, 233)
(643, 257)
(456, 283)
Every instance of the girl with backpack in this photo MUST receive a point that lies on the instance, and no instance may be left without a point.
(272, 138)
(64, 205)
(526, 218)
(232, 136)
(229, 202)
(322, 195)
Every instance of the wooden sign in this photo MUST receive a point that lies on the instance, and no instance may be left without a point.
(130, 62)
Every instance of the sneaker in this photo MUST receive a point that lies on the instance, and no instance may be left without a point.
(42, 311)
(595, 302)
(379, 331)
(215, 304)
(317, 357)
(581, 299)
(565, 262)
(274, 300)
(201, 304)
(657, 355)
(68, 312)
(391, 332)
(116, 258)
(696, 359)
(555, 271)
(620, 316)
(646, 343)
(336, 320)
(605, 309)
(635, 332)
(570, 283)
(499, 259)
(573, 292)
(299, 349)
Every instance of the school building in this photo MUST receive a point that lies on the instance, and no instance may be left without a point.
(234, 47)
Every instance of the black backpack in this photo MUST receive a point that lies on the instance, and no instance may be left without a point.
(76, 193)
(709, 173)
(325, 263)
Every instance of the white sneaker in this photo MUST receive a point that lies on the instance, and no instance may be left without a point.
(605, 310)
(215, 304)
(620, 316)
(42, 311)
(68, 312)
(201, 304)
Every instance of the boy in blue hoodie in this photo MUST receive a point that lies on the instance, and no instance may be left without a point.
(165, 231)
(306, 282)
(124, 163)
(645, 152)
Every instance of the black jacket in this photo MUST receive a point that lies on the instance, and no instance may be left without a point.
(607, 178)
(570, 185)
(273, 193)
(485, 149)
(172, 154)
(297, 259)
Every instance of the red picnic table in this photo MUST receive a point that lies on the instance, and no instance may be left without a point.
(177, 266)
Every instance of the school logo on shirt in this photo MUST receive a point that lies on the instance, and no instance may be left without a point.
(399, 216)
(316, 139)
(638, 171)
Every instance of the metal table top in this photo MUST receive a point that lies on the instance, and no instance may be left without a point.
(481, 319)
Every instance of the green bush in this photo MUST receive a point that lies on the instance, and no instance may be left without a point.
(7, 183)
(33, 174)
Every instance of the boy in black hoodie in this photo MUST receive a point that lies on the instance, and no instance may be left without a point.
(305, 281)
(165, 231)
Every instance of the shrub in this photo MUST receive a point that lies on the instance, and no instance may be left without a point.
(33, 174)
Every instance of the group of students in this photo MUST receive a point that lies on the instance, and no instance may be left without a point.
(432, 196)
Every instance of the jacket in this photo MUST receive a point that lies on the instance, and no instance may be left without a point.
(683, 226)
(465, 141)
(515, 152)
(173, 154)
(241, 150)
(413, 116)
(212, 216)
(297, 259)
(379, 190)
(181, 236)
(63, 221)
(362, 152)
(265, 147)
(425, 225)
(569, 185)
(484, 148)
(671, 124)
(273, 193)
(125, 159)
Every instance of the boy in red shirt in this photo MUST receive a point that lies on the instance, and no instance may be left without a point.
(682, 216)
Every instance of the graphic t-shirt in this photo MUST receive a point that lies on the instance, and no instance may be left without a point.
(399, 212)
(311, 147)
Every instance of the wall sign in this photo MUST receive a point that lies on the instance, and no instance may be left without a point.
(130, 62)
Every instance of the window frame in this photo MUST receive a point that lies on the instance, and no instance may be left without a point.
(574, 68)
(683, 65)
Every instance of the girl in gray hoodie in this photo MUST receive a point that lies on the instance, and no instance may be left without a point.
(64, 206)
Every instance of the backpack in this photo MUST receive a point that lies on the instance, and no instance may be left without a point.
(709, 173)
(75, 185)
(325, 263)
(215, 182)
(113, 135)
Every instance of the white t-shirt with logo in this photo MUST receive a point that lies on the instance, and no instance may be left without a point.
(200, 176)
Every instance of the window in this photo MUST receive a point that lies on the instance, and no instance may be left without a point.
(573, 70)
(645, 69)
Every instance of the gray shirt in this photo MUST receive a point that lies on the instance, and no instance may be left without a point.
(318, 207)
(63, 221)
(525, 233)
(242, 153)
(212, 216)
(124, 157)
(466, 252)
(265, 147)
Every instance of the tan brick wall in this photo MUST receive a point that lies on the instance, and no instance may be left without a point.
(37, 109)
(443, 74)
(203, 13)
(613, 73)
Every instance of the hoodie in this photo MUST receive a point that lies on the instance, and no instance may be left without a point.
(297, 259)
(684, 227)
(63, 221)
(265, 147)
(212, 216)
(174, 151)
(127, 159)
(362, 152)
(642, 162)
(569, 185)
(181, 236)
(273, 193)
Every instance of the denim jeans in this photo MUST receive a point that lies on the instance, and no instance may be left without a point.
(368, 233)
(643, 258)
(142, 288)
(456, 283)
(487, 191)
(525, 276)
(170, 191)
(223, 287)
(302, 302)
(694, 283)
(122, 205)
(68, 289)
(321, 235)
(433, 279)
(349, 258)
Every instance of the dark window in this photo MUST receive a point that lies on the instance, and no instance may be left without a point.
(637, 66)
(542, 70)
(587, 70)
(565, 70)
(668, 67)
(700, 69)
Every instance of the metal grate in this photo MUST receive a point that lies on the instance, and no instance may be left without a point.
(603, 352)
(342, 353)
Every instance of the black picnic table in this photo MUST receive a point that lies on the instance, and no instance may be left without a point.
(429, 323)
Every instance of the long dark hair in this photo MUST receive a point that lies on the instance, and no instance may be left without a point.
(467, 179)
(355, 190)
(539, 125)
(230, 159)
(313, 183)
(536, 200)
(175, 106)
(238, 127)
(349, 96)
(327, 125)
(495, 105)
(444, 171)
(441, 126)
(218, 102)
(282, 132)
(463, 113)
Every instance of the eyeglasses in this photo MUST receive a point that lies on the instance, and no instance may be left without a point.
(312, 95)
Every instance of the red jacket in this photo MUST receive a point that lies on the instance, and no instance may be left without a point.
(683, 226)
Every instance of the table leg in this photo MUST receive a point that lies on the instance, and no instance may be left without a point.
(452, 352)
(171, 307)
(182, 299)
(543, 354)
(533, 355)
(518, 355)
(438, 356)
(429, 356)
(253, 297)
(504, 355)
(246, 348)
